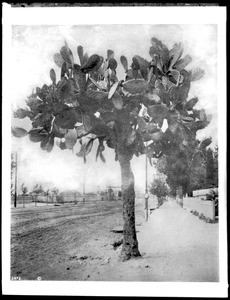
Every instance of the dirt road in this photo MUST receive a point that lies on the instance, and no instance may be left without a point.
(63, 242)
(175, 246)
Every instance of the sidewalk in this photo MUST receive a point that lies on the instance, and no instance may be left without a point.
(175, 246)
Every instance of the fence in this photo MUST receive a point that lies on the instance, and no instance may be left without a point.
(71, 198)
(23, 201)
(38, 200)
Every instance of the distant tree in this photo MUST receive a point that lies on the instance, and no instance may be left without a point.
(90, 101)
(111, 194)
(24, 189)
(54, 192)
(216, 166)
(197, 173)
(160, 189)
(38, 189)
(175, 167)
(179, 192)
(209, 169)
(185, 168)
(47, 193)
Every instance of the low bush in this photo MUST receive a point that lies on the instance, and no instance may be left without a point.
(195, 213)
(202, 217)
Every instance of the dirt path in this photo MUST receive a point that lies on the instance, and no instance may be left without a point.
(175, 246)
(64, 242)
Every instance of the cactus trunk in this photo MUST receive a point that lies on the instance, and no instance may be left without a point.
(130, 243)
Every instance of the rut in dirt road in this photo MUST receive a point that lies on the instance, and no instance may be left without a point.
(175, 246)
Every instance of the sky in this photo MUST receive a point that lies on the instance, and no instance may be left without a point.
(33, 48)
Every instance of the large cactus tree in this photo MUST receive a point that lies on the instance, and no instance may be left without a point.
(89, 103)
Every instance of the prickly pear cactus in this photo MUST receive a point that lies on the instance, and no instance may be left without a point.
(88, 100)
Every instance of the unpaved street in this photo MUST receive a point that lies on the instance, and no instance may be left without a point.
(63, 242)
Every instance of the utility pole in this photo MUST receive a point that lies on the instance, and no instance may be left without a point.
(15, 192)
(146, 187)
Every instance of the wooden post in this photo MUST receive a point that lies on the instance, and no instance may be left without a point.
(15, 192)
(23, 199)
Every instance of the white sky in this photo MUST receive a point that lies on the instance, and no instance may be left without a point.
(33, 48)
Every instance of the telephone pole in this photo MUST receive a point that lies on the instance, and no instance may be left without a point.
(146, 186)
(146, 174)
(15, 185)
